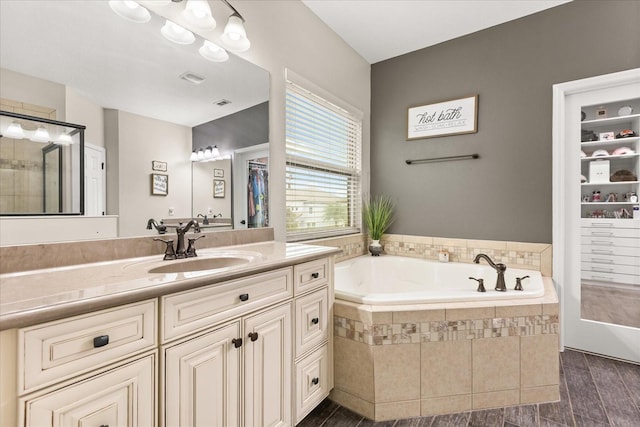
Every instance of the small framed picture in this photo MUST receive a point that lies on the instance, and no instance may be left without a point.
(159, 184)
(218, 188)
(218, 173)
(607, 136)
(601, 113)
(158, 166)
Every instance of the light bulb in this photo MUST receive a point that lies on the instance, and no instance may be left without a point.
(213, 52)
(14, 131)
(215, 153)
(130, 10)
(177, 34)
(194, 156)
(41, 135)
(200, 155)
(64, 139)
(207, 153)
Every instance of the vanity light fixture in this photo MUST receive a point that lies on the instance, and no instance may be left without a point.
(14, 131)
(213, 52)
(208, 154)
(41, 135)
(130, 10)
(177, 34)
(64, 139)
(198, 14)
(235, 37)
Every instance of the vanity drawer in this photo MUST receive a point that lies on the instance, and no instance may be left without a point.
(312, 323)
(195, 310)
(609, 223)
(310, 275)
(611, 260)
(312, 382)
(51, 352)
(628, 279)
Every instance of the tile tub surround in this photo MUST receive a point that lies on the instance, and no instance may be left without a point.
(529, 256)
(51, 255)
(421, 360)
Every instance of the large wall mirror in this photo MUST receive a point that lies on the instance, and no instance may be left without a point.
(147, 105)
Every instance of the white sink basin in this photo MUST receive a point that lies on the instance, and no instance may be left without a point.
(208, 262)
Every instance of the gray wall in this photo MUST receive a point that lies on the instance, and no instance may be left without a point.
(506, 194)
(239, 130)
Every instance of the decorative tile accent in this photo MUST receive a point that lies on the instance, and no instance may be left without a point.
(409, 333)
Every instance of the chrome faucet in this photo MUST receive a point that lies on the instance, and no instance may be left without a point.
(160, 227)
(499, 268)
(181, 252)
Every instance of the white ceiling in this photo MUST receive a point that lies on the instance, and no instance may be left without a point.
(123, 65)
(383, 29)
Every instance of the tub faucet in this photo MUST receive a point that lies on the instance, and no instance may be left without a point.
(181, 252)
(499, 268)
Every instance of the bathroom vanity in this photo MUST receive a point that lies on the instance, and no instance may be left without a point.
(248, 344)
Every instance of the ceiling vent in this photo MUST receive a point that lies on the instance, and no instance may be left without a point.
(192, 78)
(222, 102)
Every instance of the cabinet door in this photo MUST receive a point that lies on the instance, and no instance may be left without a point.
(124, 396)
(267, 370)
(202, 380)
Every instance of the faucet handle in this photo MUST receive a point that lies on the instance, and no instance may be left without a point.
(169, 253)
(480, 284)
(519, 283)
(191, 248)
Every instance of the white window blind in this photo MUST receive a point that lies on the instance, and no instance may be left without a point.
(323, 144)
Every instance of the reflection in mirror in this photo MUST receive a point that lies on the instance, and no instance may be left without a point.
(210, 206)
(122, 80)
(40, 166)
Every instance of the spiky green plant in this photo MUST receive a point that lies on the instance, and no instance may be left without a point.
(378, 215)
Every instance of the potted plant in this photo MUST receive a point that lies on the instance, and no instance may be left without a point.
(378, 216)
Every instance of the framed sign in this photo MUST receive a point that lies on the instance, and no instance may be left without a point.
(158, 166)
(218, 188)
(159, 184)
(218, 173)
(453, 117)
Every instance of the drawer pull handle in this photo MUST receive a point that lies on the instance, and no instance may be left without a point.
(602, 233)
(315, 321)
(253, 336)
(601, 224)
(602, 260)
(601, 252)
(607, 279)
(315, 381)
(244, 297)
(237, 342)
(315, 275)
(601, 242)
(602, 270)
(100, 341)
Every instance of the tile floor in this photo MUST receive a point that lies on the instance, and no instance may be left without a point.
(594, 392)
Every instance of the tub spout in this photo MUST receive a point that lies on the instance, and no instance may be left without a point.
(499, 268)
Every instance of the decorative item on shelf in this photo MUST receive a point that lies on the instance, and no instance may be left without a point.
(586, 198)
(588, 136)
(378, 216)
(582, 116)
(622, 151)
(612, 197)
(583, 179)
(625, 110)
(607, 136)
(622, 213)
(601, 113)
(595, 197)
(623, 175)
(626, 133)
(636, 212)
(599, 171)
(600, 153)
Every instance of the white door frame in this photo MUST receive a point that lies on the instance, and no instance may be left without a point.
(102, 151)
(618, 341)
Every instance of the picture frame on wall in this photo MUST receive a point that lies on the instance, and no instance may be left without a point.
(452, 117)
(159, 184)
(218, 173)
(158, 166)
(218, 188)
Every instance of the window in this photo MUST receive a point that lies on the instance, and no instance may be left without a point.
(323, 167)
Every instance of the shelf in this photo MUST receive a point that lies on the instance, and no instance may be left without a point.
(609, 184)
(610, 120)
(610, 142)
(608, 203)
(624, 156)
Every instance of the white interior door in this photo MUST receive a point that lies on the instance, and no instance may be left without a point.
(581, 330)
(94, 180)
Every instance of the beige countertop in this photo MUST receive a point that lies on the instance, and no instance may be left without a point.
(31, 297)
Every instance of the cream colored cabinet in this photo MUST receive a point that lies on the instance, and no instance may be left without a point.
(123, 396)
(202, 379)
(267, 368)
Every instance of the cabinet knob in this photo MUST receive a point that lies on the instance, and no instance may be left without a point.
(315, 321)
(253, 336)
(100, 341)
(237, 342)
(315, 275)
(244, 297)
(315, 381)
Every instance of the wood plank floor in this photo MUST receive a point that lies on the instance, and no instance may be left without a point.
(594, 392)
